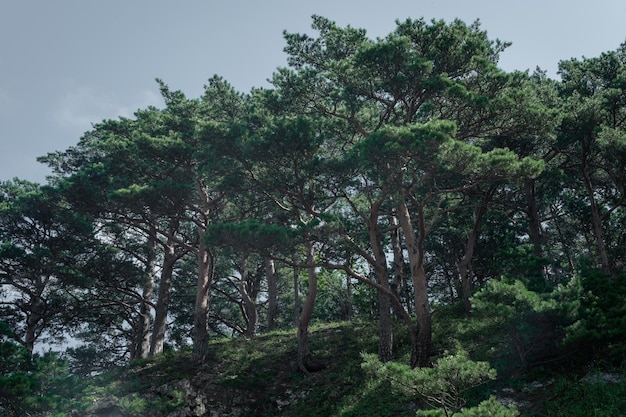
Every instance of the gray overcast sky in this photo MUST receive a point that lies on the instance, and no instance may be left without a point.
(66, 64)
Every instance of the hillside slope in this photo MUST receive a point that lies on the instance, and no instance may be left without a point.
(252, 377)
(259, 377)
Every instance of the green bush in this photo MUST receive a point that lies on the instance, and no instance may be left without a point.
(520, 323)
(600, 328)
(582, 399)
(444, 386)
(34, 384)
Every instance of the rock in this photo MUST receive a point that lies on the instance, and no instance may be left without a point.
(602, 378)
(289, 398)
(106, 407)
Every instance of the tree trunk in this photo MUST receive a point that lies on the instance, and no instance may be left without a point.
(145, 318)
(563, 241)
(415, 247)
(385, 337)
(398, 261)
(397, 304)
(464, 264)
(201, 309)
(297, 300)
(163, 301)
(305, 361)
(416, 350)
(206, 271)
(348, 307)
(249, 303)
(535, 231)
(36, 311)
(142, 346)
(272, 293)
(596, 223)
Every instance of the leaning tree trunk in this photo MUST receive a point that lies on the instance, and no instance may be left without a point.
(163, 300)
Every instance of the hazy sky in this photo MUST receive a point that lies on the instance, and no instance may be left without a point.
(66, 64)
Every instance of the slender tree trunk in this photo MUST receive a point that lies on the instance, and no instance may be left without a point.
(415, 247)
(206, 271)
(163, 301)
(201, 309)
(305, 361)
(272, 293)
(405, 316)
(420, 337)
(452, 281)
(32, 322)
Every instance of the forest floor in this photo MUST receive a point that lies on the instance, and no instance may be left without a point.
(259, 377)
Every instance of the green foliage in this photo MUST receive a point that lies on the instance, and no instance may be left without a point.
(529, 171)
(42, 244)
(600, 325)
(390, 141)
(333, 303)
(443, 386)
(250, 233)
(260, 368)
(133, 403)
(581, 399)
(530, 322)
(36, 385)
(488, 408)
(522, 264)
(173, 401)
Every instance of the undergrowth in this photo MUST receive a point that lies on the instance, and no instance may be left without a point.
(265, 367)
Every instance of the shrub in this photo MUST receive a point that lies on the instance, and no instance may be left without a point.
(531, 322)
(600, 327)
(444, 386)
